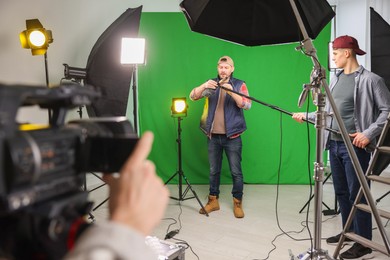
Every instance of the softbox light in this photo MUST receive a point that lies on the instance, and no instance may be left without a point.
(380, 63)
(104, 69)
(256, 22)
(380, 42)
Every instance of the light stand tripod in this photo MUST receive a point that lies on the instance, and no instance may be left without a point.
(319, 99)
(318, 80)
(328, 211)
(91, 216)
(381, 197)
(181, 174)
(78, 75)
(319, 165)
(135, 106)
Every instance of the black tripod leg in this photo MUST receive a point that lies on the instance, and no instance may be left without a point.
(180, 171)
(312, 196)
(381, 197)
(101, 185)
(195, 195)
(170, 178)
(307, 203)
(91, 217)
(98, 206)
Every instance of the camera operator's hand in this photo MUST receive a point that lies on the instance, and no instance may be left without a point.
(138, 198)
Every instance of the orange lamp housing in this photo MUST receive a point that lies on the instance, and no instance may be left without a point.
(35, 37)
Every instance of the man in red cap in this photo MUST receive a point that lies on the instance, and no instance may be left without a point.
(363, 101)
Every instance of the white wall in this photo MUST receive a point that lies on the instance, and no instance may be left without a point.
(75, 24)
(353, 18)
(382, 7)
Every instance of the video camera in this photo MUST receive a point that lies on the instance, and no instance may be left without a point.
(42, 169)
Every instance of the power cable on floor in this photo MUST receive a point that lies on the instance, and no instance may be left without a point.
(171, 234)
(277, 192)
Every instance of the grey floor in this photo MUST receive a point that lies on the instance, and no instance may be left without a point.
(272, 227)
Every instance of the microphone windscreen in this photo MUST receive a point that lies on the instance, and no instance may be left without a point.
(208, 92)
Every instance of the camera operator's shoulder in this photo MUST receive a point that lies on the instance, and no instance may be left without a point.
(111, 240)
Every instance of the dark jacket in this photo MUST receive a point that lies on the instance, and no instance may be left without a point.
(234, 116)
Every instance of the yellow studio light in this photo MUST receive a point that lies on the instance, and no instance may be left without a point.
(179, 107)
(35, 37)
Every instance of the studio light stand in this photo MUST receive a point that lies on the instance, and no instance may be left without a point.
(133, 53)
(38, 39)
(318, 80)
(79, 75)
(135, 106)
(178, 110)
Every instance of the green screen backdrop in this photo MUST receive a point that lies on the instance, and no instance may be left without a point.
(179, 60)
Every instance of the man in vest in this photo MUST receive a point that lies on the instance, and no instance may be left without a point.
(223, 122)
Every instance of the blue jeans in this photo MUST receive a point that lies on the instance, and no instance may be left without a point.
(346, 186)
(233, 148)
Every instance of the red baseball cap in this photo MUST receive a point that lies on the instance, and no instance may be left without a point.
(347, 42)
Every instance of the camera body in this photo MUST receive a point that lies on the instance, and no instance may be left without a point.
(42, 169)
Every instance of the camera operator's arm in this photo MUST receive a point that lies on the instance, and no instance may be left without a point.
(138, 200)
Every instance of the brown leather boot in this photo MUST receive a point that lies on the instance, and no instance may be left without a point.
(211, 205)
(238, 212)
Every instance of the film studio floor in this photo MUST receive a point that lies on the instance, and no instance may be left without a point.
(269, 210)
